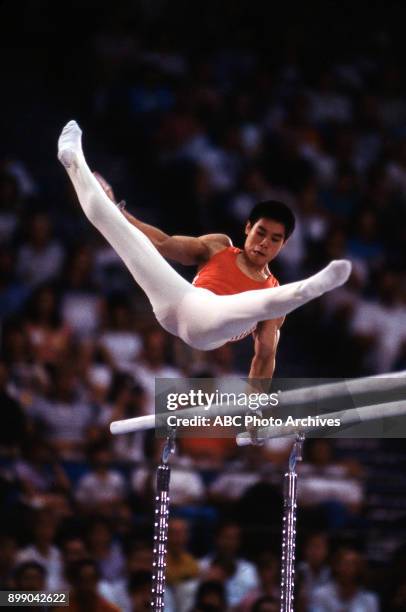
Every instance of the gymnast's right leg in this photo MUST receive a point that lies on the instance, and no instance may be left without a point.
(164, 287)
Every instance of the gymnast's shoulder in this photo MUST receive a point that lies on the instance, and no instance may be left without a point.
(215, 243)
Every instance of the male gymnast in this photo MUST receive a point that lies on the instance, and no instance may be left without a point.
(234, 293)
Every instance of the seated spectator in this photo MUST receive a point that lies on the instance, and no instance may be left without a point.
(41, 256)
(104, 549)
(43, 549)
(138, 562)
(49, 337)
(103, 488)
(238, 476)
(152, 364)
(381, 324)
(181, 565)
(140, 591)
(237, 575)
(187, 487)
(366, 244)
(63, 414)
(29, 576)
(41, 476)
(313, 571)
(211, 597)
(269, 583)
(73, 549)
(80, 302)
(27, 377)
(324, 480)
(118, 336)
(182, 568)
(125, 399)
(345, 590)
(96, 368)
(83, 577)
(266, 604)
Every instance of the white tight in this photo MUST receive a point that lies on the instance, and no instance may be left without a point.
(199, 317)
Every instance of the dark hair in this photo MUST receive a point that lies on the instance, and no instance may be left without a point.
(139, 579)
(74, 569)
(277, 211)
(210, 586)
(257, 606)
(20, 569)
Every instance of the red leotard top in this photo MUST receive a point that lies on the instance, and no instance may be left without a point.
(222, 276)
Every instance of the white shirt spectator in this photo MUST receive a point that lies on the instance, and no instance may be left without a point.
(80, 311)
(38, 266)
(331, 484)
(96, 488)
(123, 346)
(186, 484)
(52, 564)
(327, 599)
(64, 421)
(146, 377)
(244, 579)
(387, 325)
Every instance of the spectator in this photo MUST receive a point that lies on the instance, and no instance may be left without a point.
(40, 258)
(313, 571)
(102, 489)
(187, 487)
(237, 575)
(182, 568)
(266, 604)
(48, 336)
(211, 597)
(118, 336)
(29, 576)
(326, 482)
(269, 586)
(84, 577)
(140, 591)
(152, 364)
(380, 324)
(126, 399)
(41, 476)
(80, 303)
(104, 549)
(65, 416)
(346, 587)
(43, 550)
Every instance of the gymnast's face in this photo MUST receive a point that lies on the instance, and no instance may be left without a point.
(265, 238)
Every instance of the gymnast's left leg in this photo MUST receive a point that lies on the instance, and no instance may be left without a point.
(207, 321)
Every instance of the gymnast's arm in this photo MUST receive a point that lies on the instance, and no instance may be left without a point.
(186, 250)
(266, 338)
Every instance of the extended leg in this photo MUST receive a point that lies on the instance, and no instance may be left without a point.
(208, 321)
(161, 283)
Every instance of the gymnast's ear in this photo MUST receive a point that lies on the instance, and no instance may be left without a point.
(248, 228)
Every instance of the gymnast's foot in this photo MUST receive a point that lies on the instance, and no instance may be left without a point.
(334, 275)
(70, 145)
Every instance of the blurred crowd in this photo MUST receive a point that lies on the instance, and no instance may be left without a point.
(192, 136)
